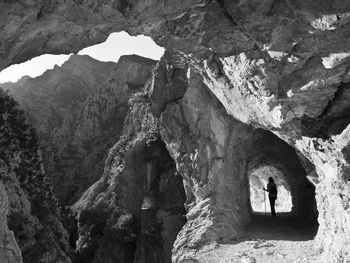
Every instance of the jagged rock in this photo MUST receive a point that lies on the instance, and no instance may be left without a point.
(33, 213)
(57, 93)
(10, 251)
(79, 110)
(80, 144)
(123, 189)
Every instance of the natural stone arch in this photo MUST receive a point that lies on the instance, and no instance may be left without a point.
(296, 80)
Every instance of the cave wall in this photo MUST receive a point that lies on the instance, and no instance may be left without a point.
(207, 145)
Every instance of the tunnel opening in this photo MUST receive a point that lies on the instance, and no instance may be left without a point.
(296, 210)
(258, 180)
(162, 209)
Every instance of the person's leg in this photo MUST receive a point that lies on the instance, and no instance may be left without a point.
(272, 205)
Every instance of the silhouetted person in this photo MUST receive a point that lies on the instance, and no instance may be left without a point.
(272, 189)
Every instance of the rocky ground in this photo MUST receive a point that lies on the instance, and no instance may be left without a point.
(266, 240)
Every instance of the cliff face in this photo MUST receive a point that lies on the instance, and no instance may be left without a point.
(282, 66)
(32, 210)
(79, 110)
(139, 198)
(212, 152)
(10, 251)
(79, 145)
(59, 92)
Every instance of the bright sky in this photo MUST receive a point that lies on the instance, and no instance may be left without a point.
(116, 45)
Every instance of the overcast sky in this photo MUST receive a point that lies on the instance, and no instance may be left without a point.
(116, 45)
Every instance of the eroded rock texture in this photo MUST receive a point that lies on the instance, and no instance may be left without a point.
(140, 198)
(57, 93)
(33, 213)
(279, 65)
(78, 110)
(10, 251)
(212, 152)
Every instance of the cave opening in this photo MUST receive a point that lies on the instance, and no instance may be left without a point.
(115, 46)
(162, 208)
(295, 206)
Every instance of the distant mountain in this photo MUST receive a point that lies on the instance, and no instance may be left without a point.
(79, 110)
(50, 97)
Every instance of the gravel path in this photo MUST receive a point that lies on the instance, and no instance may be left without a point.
(266, 240)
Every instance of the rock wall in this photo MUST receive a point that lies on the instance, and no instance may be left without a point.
(33, 213)
(78, 110)
(10, 251)
(215, 153)
(278, 65)
(80, 144)
(212, 152)
(49, 98)
(53, 103)
(141, 187)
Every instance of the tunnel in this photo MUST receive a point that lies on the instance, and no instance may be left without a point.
(219, 158)
(269, 156)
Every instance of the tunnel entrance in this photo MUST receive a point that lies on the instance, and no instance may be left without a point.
(258, 180)
(295, 206)
(162, 209)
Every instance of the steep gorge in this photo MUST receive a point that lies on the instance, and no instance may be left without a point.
(78, 111)
(280, 66)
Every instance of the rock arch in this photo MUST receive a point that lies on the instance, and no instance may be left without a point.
(267, 69)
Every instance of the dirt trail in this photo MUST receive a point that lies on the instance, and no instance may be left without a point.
(266, 240)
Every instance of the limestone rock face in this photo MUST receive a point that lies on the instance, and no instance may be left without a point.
(214, 157)
(10, 251)
(32, 210)
(212, 152)
(80, 144)
(282, 66)
(139, 199)
(79, 110)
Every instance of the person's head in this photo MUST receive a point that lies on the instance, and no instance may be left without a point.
(271, 180)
